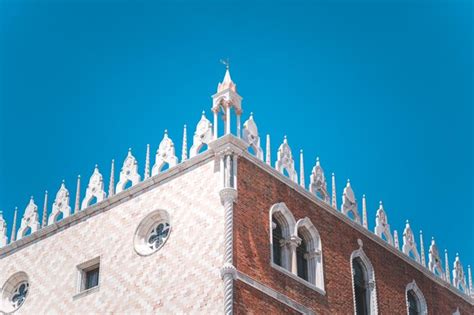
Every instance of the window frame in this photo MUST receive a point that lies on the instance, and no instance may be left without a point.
(82, 271)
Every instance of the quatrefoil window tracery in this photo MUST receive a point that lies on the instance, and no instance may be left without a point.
(158, 235)
(20, 294)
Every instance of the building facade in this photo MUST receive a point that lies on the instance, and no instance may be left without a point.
(222, 229)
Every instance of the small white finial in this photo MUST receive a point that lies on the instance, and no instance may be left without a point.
(268, 151)
(147, 162)
(203, 113)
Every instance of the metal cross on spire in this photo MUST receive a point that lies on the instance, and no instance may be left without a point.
(225, 62)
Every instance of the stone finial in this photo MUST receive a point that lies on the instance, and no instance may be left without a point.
(382, 228)
(409, 244)
(364, 212)
(78, 194)
(317, 182)
(268, 153)
(95, 189)
(334, 197)
(202, 135)
(459, 278)
(129, 172)
(112, 178)
(469, 277)
(349, 203)
(285, 161)
(60, 205)
(30, 220)
(147, 162)
(252, 138)
(13, 236)
(396, 243)
(434, 260)
(164, 155)
(44, 221)
(302, 180)
(422, 249)
(3, 231)
(446, 264)
(184, 149)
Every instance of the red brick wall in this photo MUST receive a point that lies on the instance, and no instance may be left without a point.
(257, 192)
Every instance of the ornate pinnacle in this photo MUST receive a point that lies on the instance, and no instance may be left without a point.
(147, 162)
(45, 208)
(268, 152)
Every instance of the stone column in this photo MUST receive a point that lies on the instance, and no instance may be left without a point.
(216, 118)
(294, 242)
(228, 272)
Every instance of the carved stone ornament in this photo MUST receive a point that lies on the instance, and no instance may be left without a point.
(349, 203)
(434, 261)
(202, 135)
(409, 244)
(128, 173)
(60, 205)
(318, 185)
(459, 278)
(250, 135)
(30, 220)
(381, 225)
(3, 231)
(94, 189)
(285, 161)
(164, 155)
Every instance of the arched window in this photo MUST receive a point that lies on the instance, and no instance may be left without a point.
(301, 259)
(363, 281)
(361, 291)
(277, 240)
(309, 256)
(416, 304)
(413, 304)
(282, 224)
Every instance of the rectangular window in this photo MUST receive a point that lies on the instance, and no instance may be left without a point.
(88, 275)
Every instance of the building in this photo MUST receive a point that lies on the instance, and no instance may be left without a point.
(220, 230)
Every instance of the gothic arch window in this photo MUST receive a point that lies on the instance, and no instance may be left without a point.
(309, 258)
(363, 281)
(282, 224)
(416, 304)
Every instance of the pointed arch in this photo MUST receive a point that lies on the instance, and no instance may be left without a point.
(281, 219)
(415, 300)
(313, 255)
(361, 266)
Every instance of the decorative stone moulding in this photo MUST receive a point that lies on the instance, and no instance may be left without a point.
(409, 244)
(94, 189)
(285, 161)
(3, 231)
(382, 228)
(30, 220)
(250, 136)
(128, 173)
(60, 205)
(318, 185)
(434, 261)
(349, 203)
(164, 155)
(202, 135)
(459, 278)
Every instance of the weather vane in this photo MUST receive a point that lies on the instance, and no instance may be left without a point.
(225, 62)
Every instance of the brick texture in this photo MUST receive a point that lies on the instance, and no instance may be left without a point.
(258, 191)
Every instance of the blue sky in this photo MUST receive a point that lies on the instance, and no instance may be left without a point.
(381, 91)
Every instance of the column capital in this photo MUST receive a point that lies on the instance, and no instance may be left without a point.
(228, 269)
(228, 195)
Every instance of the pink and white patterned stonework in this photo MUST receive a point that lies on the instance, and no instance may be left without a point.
(182, 277)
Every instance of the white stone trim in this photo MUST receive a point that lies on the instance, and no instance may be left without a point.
(280, 297)
(296, 278)
(287, 222)
(359, 253)
(421, 298)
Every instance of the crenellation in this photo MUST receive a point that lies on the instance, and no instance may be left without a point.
(205, 136)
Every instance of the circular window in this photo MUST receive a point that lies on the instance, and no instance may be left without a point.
(152, 232)
(14, 292)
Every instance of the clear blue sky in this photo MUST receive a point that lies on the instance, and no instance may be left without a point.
(381, 91)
